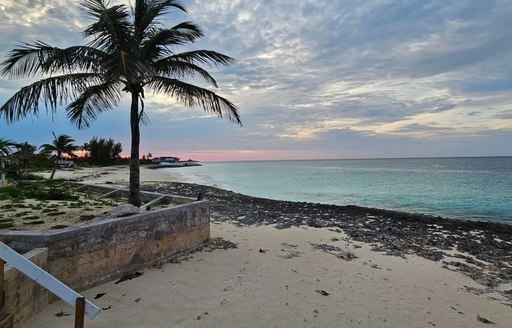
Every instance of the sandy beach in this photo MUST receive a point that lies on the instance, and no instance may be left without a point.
(304, 274)
(112, 175)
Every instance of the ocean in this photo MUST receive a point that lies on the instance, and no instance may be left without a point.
(473, 188)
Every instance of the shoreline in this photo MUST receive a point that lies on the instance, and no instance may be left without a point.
(303, 265)
(393, 233)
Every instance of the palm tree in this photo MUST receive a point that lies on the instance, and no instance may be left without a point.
(24, 153)
(63, 144)
(6, 148)
(130, 51)
(21, 160)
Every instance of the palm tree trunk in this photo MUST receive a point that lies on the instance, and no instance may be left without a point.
(54, 170)
(2, 174)
(134, 197)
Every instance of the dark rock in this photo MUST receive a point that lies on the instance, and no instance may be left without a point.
(484, 320)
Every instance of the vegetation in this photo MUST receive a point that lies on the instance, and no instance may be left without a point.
(61, 145)
(102, 151)
(130, 51)
(40, 190)
(23, 161)
(48, 204)
(6, 148)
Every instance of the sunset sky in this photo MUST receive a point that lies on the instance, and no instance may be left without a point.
(313, 79)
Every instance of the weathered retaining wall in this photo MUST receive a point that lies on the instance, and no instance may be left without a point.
(100, 251)
(88, 255)
(24, 297)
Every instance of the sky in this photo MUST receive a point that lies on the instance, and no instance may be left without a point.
(314, 79)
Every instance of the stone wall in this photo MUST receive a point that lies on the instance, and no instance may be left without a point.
(102, 250)
(24, 297)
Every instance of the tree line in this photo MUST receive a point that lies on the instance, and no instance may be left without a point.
(19, 159)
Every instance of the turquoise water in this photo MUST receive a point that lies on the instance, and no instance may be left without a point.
(466, 188)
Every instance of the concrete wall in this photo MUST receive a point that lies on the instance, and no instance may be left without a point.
(87, 255)
(23, 297)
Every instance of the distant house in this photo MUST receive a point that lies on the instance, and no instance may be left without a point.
(64, 163)
(158, 160)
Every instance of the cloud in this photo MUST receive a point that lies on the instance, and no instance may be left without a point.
(313, 72)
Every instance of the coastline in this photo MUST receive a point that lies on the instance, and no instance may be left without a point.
(305, 265)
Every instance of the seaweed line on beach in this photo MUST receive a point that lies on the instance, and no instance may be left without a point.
(486, 246)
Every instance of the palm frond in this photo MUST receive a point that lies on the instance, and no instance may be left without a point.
(204, 57)
(192, 96)
(158, 40)
(51, 91)
(145, 14)
(94, 100)
(180, 69)
(112, 29)
(6, 146)
(48, 148)
(39, 58)
(93, 8)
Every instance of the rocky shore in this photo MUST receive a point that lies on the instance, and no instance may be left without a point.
(481, 250)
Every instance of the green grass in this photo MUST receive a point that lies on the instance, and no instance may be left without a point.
(30, 217)
(48, 210)
(87, 217)
(59, 226)
(41, 190)
(56, 213)
(6, 225)
(20, 214)
(34, 222)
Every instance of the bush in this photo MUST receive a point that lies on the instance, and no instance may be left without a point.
(41, 190)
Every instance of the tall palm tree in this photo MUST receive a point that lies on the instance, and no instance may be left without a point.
(130, 51)
(61, 145)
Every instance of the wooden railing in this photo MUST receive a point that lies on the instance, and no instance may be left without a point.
(82, 306)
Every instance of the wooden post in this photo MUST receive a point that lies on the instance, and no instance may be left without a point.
(79, 312)
(1, 283)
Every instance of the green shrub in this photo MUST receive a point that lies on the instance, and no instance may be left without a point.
(59, 226)
(34, 222)
(87, 217)
(56, 213)
(6, 225)
(10, 192)
(48, 210)
(30, 217)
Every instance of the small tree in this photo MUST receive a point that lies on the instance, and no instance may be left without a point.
(61, 145)
(6, 148)
(21, 161)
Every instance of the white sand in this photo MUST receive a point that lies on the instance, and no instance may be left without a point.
(281, 287)
(246, 288)
(116, 175)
